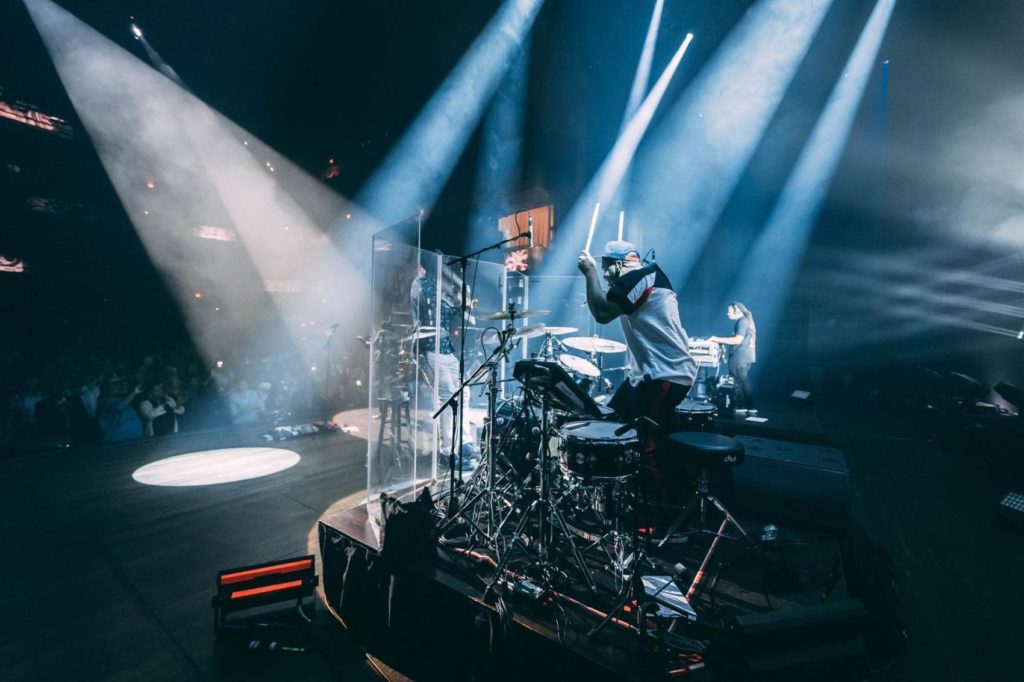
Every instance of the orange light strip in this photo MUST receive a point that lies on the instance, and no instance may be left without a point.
(241, 594)
(242, 576)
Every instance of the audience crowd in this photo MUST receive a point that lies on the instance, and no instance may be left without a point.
(88, 398)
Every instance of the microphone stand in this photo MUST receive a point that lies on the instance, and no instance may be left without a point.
(327, 373)
(457, 405)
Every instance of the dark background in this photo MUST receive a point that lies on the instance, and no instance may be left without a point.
(320, 79)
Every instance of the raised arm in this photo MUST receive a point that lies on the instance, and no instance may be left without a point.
(603, 310)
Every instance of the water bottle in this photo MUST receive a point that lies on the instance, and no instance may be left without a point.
(770, 533)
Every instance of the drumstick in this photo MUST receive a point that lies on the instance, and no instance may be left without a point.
(593, 224)
(622, 218)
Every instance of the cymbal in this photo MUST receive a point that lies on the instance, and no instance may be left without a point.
(512, 314)
(594, 344)
(421, 333)
(528, 332)
(581, 366)
(558, 331)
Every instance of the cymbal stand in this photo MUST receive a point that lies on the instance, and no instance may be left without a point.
(548, 516)
(551, 347)
(490, 493)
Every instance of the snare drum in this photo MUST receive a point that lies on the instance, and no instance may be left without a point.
(591, 451)
(692, 415)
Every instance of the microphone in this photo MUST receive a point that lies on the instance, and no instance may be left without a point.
(529, 227)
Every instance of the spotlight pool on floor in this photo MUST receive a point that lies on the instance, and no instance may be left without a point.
(212, 467)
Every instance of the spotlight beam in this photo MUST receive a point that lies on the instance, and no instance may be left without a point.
(416, 170)
(199, 170)
(606, 181)
(935, 274)
(691, 164)
(643, 69)
(925, 292)
(500, 163)
(772, 263)
(922, 317)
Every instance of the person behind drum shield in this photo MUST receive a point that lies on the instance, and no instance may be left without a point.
(661, 370)
(442, 361)
(742, 354)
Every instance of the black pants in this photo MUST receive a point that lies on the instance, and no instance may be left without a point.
(744, 398)
(655, 399)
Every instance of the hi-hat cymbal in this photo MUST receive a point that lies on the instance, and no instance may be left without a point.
(512, 314)
(558, 331)
(528, 332)
(594, 344)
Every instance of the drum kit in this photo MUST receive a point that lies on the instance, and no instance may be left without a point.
(560, 476)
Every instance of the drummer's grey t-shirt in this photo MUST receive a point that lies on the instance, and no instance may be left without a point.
(658, 345)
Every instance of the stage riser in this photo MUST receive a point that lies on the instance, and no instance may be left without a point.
(792, 484)
(420, 626)
(820, 642)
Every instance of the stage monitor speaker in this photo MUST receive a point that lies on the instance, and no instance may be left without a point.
(802, 399)
(824, 638)
(1011, 510)
(793, 484)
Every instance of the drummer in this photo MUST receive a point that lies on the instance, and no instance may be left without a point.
(661, 369)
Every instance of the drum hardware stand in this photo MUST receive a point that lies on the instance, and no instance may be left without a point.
(493, 442)
(614, 541)
(462, 262)
(699, 503)
(634, 589)
(546, 509)
(550, 349)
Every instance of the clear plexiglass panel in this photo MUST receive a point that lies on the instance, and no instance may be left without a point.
(422, 337)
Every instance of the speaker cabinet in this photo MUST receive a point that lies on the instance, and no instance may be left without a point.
(793, 484)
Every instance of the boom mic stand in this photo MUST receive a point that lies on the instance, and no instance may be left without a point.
(462, 262)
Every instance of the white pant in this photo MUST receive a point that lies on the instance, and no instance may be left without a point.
(444, 368)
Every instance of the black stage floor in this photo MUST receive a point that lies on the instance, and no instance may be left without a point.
(105, 578)
(108, 579)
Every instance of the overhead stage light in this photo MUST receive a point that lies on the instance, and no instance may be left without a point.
(136, 31)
